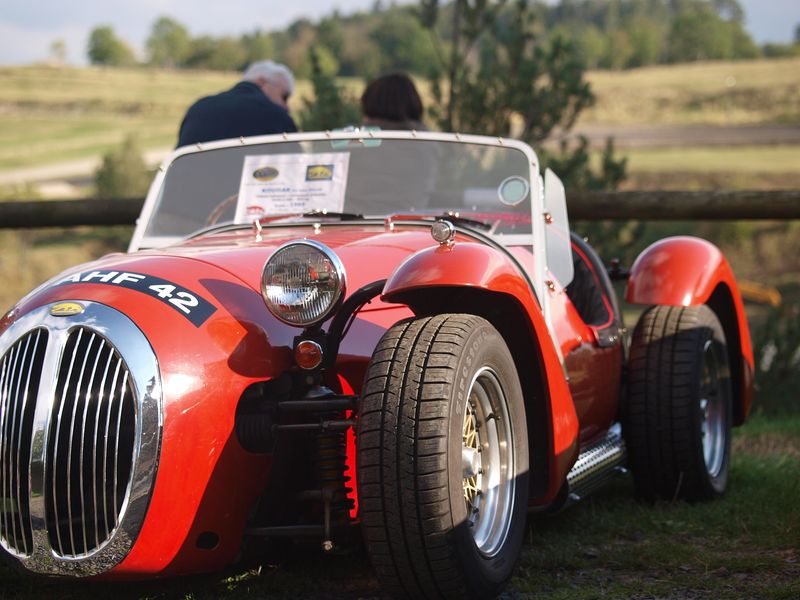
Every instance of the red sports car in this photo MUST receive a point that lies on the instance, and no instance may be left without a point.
(391, 335)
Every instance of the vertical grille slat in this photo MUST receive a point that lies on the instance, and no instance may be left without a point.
(107, 439)
(95, 481)
(73, 510)
(28, 407)
(18, 392)
(116, 442)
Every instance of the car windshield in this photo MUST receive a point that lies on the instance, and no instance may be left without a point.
(482, 179)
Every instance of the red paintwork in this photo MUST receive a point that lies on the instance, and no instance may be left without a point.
(207, 482)
(685, 271)
(205, 370)
(477, 265)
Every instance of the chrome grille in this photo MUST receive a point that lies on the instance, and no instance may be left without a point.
(80, 437)
(90, 449)
(18, 391)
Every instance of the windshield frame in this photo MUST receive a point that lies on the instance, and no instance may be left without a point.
(139, 241)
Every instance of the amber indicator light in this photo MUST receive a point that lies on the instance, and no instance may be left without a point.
(308, 355)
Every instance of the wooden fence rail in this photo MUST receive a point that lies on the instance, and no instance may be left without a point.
(645, 205)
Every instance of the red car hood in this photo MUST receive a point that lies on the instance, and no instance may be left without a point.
(368, 252)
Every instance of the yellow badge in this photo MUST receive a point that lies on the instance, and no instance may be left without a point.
(66, 309)
(319, 173)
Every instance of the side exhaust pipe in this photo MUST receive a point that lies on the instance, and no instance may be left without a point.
(596, 465)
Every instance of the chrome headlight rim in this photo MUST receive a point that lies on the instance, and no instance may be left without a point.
(340, 289)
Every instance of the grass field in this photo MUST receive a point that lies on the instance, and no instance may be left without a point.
(722, 93)
(746, 545)
(49, 114)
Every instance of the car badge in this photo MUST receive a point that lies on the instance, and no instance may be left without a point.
(66, 309)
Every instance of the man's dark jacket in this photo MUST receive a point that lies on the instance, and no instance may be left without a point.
(241, 111)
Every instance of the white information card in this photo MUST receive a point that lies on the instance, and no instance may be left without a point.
(291, 184)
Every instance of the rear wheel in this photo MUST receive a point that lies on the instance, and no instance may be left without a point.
(442, 459)
(677, 416)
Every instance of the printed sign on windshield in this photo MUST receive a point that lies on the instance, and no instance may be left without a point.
(289, 184)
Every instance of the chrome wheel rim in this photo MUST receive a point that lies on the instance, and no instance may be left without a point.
(712, 412)
(487, 460)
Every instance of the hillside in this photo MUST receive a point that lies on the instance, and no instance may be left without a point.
(68, 115)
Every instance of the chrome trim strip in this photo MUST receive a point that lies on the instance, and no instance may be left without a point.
(39, 334)
(3, 421)
(128, 348)
(94, 450)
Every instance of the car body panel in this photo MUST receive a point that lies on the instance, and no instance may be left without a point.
(689, 271)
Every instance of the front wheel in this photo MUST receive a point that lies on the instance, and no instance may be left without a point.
(442, 460)
(677, 415)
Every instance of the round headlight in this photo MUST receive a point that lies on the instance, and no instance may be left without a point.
(302, 282)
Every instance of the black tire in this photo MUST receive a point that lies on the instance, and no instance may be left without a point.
(424, 376)
(677, 415)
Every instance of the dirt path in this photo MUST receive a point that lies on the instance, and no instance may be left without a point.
(68, 170)
(656, 136)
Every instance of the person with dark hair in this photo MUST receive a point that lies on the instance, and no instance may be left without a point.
(257, 105)
(392, 102)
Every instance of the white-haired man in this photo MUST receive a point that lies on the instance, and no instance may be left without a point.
(257, 105)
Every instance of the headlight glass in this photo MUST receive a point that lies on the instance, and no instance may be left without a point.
(303, 282)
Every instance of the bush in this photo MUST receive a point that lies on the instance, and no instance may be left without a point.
(123, 173)
(776, 346)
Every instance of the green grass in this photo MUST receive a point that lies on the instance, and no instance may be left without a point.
(732, 159)
(745, 545)
(49, 115)
(722, 93)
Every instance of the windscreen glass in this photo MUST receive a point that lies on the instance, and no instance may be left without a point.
(373, 177)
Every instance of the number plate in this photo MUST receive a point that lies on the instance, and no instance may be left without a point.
(192, 306)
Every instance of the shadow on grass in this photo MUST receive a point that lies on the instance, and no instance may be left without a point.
(303, 573)
(745, 544)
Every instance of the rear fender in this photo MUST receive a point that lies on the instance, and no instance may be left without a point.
(478, 279)
(688, 271)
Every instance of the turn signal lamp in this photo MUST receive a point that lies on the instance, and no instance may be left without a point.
(308, 355)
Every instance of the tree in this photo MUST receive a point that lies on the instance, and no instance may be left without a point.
(331, 107)
(123, 173)
(403, 43)
(647, 41)
(105, 48)
(501, 81)
(217, 54)
(169, 43)
(58, 52)
(258, 45)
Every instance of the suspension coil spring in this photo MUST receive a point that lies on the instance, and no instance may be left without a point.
(331, 470)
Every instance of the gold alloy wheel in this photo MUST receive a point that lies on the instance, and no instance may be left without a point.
(487, 462)
(470, 460)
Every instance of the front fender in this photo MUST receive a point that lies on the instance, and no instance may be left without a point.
(493, 274)
(689, 271)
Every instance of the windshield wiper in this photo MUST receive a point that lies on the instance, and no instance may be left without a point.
(457, 219)
(342, 216)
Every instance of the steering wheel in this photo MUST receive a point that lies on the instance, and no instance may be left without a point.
(219, 209)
